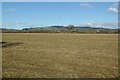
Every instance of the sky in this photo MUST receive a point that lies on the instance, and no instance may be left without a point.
(18, 15)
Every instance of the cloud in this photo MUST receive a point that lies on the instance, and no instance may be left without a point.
(87, 24)
(115, 4)
(113, 10)
(90, 23)
(18, 23)
(10, 10)
(103, 24)
(30, 25)
(110, 24)
(85, 5)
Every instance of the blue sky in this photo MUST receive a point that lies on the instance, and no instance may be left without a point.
(20, 15)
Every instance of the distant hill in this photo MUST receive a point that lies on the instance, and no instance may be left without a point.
(77, 29)
(8, 30)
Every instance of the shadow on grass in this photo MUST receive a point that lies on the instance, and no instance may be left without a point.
(2, 42)
(8, 44)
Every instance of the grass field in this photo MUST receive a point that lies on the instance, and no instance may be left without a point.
(44, 55)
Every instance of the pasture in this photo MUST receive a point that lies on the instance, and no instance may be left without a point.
(59, 55)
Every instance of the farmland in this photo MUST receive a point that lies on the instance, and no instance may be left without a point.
(59, 55)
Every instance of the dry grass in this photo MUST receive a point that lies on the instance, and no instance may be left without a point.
(60, 55)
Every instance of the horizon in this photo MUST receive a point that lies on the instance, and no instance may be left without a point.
(19, 15)
(60, 25)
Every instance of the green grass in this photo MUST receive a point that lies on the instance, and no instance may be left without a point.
(42, 55)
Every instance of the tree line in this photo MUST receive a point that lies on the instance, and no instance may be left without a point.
(62, 29)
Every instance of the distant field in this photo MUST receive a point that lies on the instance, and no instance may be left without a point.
(44, 55)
